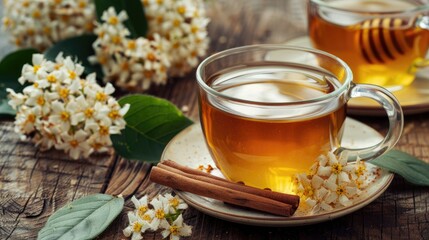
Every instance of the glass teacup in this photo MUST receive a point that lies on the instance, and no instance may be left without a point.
(266, 119)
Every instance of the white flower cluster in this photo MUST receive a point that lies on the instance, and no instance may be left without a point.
(130, 63)
(332, 183)
(60, 109)
(177, 38)
(40, 23)
(163, 213)
(184, 24)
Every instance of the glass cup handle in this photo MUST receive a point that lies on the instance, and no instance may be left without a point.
(423, 23)
(394, 113)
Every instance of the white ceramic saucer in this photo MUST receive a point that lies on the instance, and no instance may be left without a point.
(188, 148)
(413, 98)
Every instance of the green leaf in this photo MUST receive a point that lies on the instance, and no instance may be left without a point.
(84, 218)
(79, 48)
(136, 22)
(151, 123)
(10, 71)
(411, 168)
(12, 63)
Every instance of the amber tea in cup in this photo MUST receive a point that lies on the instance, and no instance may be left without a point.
(266, 120)
(383, 41)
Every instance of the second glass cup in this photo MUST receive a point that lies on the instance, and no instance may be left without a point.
(266, 119)
(383, 41)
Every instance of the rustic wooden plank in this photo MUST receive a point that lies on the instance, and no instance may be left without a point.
(34, 184)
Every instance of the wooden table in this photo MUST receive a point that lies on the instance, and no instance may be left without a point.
(34, 184)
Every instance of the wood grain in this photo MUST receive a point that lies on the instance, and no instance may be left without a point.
(34, 184)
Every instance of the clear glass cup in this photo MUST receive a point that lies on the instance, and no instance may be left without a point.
(268, 111)
(383, 41)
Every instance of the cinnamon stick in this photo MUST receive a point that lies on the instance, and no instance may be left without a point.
(205, 189)
(293, 200)
(174, 175)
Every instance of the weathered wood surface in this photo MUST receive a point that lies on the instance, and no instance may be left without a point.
(34, 184)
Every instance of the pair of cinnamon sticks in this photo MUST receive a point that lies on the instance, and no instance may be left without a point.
(174, 175)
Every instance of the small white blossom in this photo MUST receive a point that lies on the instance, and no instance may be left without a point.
(161, 209)
(136, 228)
(64, 111)
(176, 229)
(174, 203)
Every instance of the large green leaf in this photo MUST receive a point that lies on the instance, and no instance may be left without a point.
(151, 123)
(411, 168)
(84, 218)
(79, 48)
(10, 71)
(136, 23)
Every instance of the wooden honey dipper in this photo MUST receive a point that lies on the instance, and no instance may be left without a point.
(383, 40)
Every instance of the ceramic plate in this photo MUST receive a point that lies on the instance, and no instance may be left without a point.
(413, 98)
(188, 148)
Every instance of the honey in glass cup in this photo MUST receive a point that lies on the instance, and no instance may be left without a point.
(265, 120)
(383, 41)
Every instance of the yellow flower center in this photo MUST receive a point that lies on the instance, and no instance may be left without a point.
(137, 227)
(58, 66)
(74, 143)
(64, 93)
(82, 4)
(51, 78)
(194, 29)
(36, 68)
(308, 191)
(37, 14)
(72, 75)
(89, 112)
(174, 230)
(147, 217)
(131, 44)
(174, 202)
(176, 22)
(100, 96)
(104, 130)
(114, 114)
(116, 39)
(151, 57)
(181, 9)
(336, 168)
(340, 190)
(141, 211)
(360, 170)
(65, 116)
(7, 22)
(26, 3)
(41, 100)
(159, 214)
(96, 145)
(36, 85)
(113, 20)
(31, 118)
